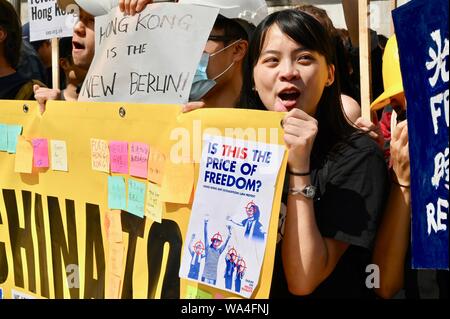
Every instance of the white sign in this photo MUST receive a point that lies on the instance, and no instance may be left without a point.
(228, 228)
(48, 21)
(150, 57)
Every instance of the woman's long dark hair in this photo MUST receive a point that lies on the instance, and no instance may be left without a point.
(306, 30)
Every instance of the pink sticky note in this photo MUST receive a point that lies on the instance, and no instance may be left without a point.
(139, 159)
(118, 152)
(40, 152)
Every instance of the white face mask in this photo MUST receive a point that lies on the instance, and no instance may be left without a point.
(202, 84)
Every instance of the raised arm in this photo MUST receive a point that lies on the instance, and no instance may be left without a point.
(205, 230)
(191, 251)
(393, 234)
(308, 258)
(228, 239)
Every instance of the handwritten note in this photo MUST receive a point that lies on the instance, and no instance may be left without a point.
(59, 155)
(119, 157)
(136, 197)
(40, 152)
(117, 193)
(24, 156)
(153, 205)
(3, 137)
(139, 159)
(113, 226)
(156, 164)
(13, 132)
(99, 155)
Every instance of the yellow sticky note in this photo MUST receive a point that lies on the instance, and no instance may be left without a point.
(59, 155)
(113, 226)
(24, 156)
(156, 164)
(100, 155)
(177, 184)
(113, 291)
(153, 205)
(116, 258)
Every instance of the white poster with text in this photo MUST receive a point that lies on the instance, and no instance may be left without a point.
(150, 57)
(227, 233)
(48, 20)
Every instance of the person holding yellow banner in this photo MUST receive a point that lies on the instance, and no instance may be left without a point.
(337, 177)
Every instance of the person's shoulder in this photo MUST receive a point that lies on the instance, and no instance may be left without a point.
(358, 143)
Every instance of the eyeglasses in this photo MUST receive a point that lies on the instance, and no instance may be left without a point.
(220, 38)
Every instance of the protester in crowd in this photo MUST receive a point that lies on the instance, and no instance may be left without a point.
(13, 85)
(220, 68)
(337, 176)
(83, 49)
(30, 64)
(350, 8)
(351, 107)
(392, 245)
(43, 48)
(72, 74)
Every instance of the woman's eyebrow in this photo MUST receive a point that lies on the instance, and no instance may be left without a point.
(301, 49)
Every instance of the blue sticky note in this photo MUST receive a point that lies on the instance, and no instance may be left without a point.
(136, 198)
(13, 132)
(3, 137)
(117, 198)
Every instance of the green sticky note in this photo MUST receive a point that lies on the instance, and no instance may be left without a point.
(3, 137)
(201, 294)
(117, 198)
(13, 132)
(136, 197)
(196, 293)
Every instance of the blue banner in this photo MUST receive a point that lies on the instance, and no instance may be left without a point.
(421, 28)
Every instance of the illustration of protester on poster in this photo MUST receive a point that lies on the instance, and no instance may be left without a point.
(231, 213)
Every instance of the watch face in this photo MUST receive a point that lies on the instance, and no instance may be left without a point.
(310, 191)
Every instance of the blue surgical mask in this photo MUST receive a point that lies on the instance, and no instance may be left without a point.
(201, 84)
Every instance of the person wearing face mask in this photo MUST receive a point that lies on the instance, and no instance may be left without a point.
(218, 78)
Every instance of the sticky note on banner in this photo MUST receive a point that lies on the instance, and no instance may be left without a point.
(24, 156)
(113, 226)
(117, 198)
(156, 164)
(196, 293)
(177, 183)
(40, 152)
(153, 204)
(13, 131)
(100, 155)
(136, 198)
(139, 159)
(118, 152)
(3, 137)
(59, 155)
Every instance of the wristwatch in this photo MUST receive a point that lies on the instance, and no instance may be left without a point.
(308, 191)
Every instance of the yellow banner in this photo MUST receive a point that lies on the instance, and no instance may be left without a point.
(59, 239)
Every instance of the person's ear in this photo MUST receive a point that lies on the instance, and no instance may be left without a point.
(3, 34)
(64, 63)
(239, 51)
(330, 78)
